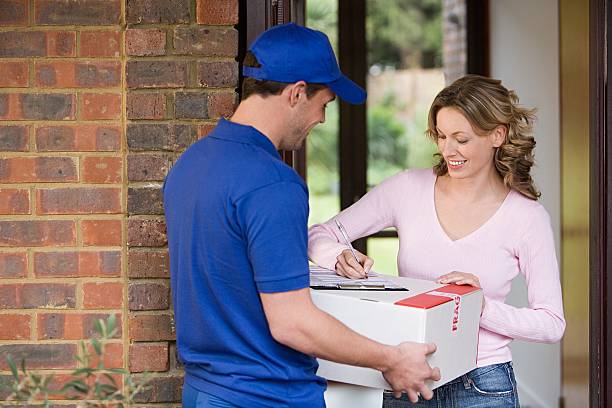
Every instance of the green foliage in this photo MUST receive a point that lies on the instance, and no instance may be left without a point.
(322, 153)
(387, 146)
(92, 384)
(322, 15)
(404, 33)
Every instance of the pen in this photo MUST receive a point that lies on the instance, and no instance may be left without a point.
(348, 242)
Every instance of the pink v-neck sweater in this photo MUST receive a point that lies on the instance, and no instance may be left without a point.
(517, 239)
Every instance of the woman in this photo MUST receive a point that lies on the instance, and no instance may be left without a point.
(472, 220)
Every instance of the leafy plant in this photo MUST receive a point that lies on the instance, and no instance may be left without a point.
(92, 383)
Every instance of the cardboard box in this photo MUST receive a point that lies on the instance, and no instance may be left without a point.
(447, 315)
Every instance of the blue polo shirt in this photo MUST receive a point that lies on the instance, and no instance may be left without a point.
(236, 220)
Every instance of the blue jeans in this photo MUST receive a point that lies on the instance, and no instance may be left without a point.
(492, 386)
(193, 398)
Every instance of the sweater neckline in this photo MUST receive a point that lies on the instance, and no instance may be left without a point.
(482, 227)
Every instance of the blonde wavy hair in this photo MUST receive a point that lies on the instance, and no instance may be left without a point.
(487, 104)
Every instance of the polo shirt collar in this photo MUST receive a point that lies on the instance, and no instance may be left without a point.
(244, 134)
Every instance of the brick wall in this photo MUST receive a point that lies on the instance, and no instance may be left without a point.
(97, 99)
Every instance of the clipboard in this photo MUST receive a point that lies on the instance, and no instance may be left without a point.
(357, 286)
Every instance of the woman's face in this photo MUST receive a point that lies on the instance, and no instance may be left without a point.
(466, 153)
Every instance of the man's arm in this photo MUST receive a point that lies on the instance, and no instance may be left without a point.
(297, 323)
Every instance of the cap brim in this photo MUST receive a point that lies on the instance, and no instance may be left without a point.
(348, 91)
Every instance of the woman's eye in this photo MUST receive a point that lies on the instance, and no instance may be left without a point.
(462, 141)
(441, 137)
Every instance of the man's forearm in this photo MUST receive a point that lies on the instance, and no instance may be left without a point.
(314, 332)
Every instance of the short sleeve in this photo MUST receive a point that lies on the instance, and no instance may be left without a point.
(274, 220)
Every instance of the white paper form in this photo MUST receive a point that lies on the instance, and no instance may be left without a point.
(326, 278)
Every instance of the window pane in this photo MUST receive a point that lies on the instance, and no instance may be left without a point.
(405, 73)
(384, 253)
(322, 171)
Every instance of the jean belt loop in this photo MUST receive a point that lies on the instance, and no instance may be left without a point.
(467, 383)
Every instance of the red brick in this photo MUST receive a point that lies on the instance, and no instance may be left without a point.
(38, 169)
(148, 296)
(100, 44)
(205, 129)
(149, 42)
(14, 138)
(38, 295)
(148, 264)
(108, 295)
(82, 200)
(155, 327)
(72, 326)
(145, 200)
(146, 106)
(14, 201)
(14, 12)
(80, 138)
(15, 327)
(156, 74)
(149, 233)
(61, 43)
(217, 12)
(101, 106)
(35, 106)
(158, 11)
(221, 104)
(160, 136)
(166, 388)
(77, 12)
(216, 42)
(13, 265)
(40, 356)
(13, 74)
(98, 169)
(55, 74)
(59, 381)
(77, 264)
(68, 74)
(147, 167)
(113, 356)
(218, 74)
(37, 233)
(19, 44)
(101, 232)
(148, 357)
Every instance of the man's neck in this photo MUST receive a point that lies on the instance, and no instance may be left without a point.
(263, 115)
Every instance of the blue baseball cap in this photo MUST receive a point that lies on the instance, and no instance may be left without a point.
(290, 53)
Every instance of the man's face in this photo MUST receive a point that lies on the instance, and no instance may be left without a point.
(308, 112)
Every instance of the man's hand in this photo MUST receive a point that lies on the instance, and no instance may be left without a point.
(348, 267)
(409, 370)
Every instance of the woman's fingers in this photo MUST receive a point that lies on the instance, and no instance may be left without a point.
(459, 278)
(348, 266)
(345, 268)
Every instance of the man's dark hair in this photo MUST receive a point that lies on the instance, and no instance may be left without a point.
(252, 86)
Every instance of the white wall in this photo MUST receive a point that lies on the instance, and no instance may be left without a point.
(525, 56)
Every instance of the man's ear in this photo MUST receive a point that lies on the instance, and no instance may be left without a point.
(498, 136)
(297, 91)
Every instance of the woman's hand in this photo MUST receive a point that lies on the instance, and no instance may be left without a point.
(462, 278)
(348, 267)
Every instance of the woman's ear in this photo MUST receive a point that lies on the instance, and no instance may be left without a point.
(498, 136)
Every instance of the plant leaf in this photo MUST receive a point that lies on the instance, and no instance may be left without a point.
(11, 364)
(77, 385)
(97, 346)
(111, 323)
(98, 326)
